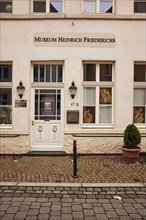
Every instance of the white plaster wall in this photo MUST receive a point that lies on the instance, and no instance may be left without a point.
(17, 46)
(124, 7)
(21, 7)
(72, 7)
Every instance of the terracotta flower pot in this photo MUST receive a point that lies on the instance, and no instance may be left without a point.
(131, 155)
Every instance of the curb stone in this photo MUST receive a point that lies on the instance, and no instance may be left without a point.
(73, 184)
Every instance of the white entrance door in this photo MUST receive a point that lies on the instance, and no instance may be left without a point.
(47, 123)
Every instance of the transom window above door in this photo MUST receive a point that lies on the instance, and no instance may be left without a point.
(47, 73)
(47, 6)
(97, 6)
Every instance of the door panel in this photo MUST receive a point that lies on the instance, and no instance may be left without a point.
(47, 124)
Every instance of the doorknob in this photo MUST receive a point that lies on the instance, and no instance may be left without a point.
(32, 122)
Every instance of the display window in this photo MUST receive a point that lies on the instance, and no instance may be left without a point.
(98, 93)
(139, 108)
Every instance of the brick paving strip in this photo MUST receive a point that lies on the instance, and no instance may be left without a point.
(91, 169)
(70, 201)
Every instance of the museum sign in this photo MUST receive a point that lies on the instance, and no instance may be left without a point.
(74, 40)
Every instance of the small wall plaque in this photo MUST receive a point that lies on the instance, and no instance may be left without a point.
(73, 117)
(20, 103)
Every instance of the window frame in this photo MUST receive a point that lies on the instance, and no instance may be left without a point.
(45, 64)
(138, 1)
(9, 2)
(97, 85)
(97, 7)
(8, 85)
(47, 11)
(139, 85)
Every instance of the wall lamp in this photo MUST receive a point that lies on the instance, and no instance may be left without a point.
(73, 89)
(20, 89)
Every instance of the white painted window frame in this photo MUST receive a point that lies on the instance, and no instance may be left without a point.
(97, 9)
(47, 7)
(98, 84)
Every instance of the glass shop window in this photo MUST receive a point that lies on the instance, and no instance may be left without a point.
(139, 107)
(97, 93)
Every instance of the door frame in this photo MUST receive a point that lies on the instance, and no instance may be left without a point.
(46, 86)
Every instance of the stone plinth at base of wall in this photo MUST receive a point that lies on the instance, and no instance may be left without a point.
(20, 144)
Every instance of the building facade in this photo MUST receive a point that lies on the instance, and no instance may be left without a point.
(48, 47)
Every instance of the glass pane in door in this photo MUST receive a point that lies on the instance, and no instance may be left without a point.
(47, 104)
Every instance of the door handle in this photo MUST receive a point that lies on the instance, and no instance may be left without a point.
(32, 122)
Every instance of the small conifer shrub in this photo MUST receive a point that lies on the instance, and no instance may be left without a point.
(132, 136)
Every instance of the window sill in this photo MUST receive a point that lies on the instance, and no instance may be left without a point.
(97, 126)
(5, 126)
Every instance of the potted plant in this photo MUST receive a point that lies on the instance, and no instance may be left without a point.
(132, 139)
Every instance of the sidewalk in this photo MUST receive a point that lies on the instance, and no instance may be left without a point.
(43, 188)
(66, 202)
(91, 169)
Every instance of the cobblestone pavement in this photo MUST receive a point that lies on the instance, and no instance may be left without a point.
(21, 202)
(91, 169)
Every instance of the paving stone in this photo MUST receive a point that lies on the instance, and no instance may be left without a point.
(78, 215)
(47, 204)
(43, 216)
(33, 212)
(125, 217)
(107, 206)
(67, 200)
(135, 216)
(121, 211)
(55, 213)
(24, 208)
(87, 206)
(56, 207)
(101, 217)
(103, 201)
(130, 210)
(142, 212)
(65, 217)
(12, 210)
(111, 214)
(77, 208)
(91, 200)
(31, 218)
(42, 200)
(4, 207)
(8, 217)
(53, 200)
(21, 215)
(16, 204)
(54, 218)
(88, 212)
(98, 210)
(66, 210)
(44, 210)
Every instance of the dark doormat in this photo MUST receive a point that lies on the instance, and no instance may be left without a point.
(46, 153)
